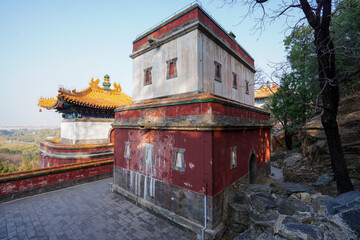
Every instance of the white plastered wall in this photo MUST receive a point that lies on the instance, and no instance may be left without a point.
(195, 53)
(209, 52)
(85, 131)
(184, 48)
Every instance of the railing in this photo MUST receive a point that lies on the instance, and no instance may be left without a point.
(45, 171)
(25, 183)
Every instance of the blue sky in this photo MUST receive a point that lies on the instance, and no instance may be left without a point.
(45, 44)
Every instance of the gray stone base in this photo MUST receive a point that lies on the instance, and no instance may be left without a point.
(175, 218)
(182, 206)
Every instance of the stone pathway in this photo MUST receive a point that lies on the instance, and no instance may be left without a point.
(276, 173)
(87, 211)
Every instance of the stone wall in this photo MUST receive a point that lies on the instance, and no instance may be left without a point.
(21, 184)
(314, 145)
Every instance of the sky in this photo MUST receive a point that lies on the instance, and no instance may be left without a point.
(46, 44)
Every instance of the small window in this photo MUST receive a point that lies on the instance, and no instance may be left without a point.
(233, 157)
(247, 87)
(234, 80)
(127, 152)
(171, 68)
(147, 76)
(148, 156)
(178, 161)
(217, 71)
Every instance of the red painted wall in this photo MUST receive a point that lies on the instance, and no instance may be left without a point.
(196, 160)
(60, 148)
(52, 178)
(247, 142)
(53, 162)
(206, 153)
(168, 27)
(207, 108)
(73, 148)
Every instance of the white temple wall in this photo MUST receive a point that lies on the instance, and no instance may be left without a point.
(184, 48)
(85, 131)
(211, 52)
(196, 55)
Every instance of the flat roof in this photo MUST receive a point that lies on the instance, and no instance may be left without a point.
(183, 12)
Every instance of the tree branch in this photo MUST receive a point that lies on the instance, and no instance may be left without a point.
(309, 14)
(287, 8)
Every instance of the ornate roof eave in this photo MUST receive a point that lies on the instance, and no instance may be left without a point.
(93, 97)
(48, 103)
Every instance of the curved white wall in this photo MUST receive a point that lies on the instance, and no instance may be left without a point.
(85, 131)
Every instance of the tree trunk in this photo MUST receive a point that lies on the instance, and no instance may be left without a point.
(338, 163)
(330, 98)
(288, 139)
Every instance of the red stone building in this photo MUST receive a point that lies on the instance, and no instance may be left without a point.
(192, 132)
(86, 131)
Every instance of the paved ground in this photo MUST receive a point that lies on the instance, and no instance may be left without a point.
(87, 211)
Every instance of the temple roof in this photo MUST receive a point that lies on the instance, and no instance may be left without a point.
(266, 90)
(183, 18)
(93, 96)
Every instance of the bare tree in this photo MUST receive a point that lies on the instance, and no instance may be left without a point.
(318, 14)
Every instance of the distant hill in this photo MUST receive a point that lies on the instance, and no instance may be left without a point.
(19, 148)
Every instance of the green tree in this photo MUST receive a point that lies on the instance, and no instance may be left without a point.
(287, 104)
(5, 168)
(319, 15)
(292, 104)
(27, 165)
(345, 31)
(13, 169)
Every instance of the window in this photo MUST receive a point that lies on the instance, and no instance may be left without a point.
(148, 156)
(233, 157)
(127, 153)
(217, 71)
(178, 161)
(234, 75)
(171, 68)
(247, 87)
(147, 76)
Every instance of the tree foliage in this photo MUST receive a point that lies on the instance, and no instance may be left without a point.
(318, 15)
(287, 104)
(293, 103)
(345, 31)
(5, 168)
(19, 149)
(298, 90)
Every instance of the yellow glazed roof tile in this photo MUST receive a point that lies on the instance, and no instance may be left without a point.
(266, 90)
(93, 96)
(48, 103)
